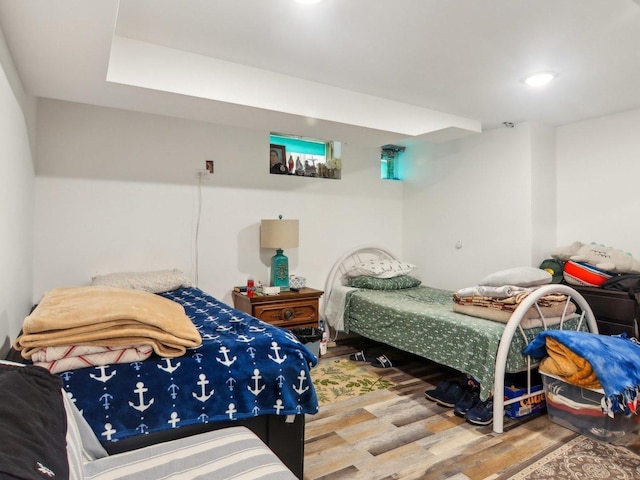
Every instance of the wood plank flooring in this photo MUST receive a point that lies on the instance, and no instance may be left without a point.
(398, 434)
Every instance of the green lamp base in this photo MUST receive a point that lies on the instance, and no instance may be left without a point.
(280, 270)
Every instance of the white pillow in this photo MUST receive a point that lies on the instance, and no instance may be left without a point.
(519, 276)
(381, 268)
(154, 282)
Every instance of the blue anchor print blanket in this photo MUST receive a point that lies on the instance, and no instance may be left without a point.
(243, 368)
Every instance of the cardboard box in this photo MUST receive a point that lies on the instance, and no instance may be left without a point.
(526, 407)
(578, 409)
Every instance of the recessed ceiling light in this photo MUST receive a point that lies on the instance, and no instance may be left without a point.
(539, 79)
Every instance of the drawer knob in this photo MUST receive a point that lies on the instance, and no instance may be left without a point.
(289, 314)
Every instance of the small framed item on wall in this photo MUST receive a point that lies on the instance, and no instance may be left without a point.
(277, 160)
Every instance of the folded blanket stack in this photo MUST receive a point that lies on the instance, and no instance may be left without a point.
(593, 361)
(99, 325)
(498, 303)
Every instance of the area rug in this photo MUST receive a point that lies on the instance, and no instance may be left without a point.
(340, 379)
(584, 458)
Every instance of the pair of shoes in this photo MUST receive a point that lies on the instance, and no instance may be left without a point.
(446, 394)
(470, 397)
(433, 393)
(481, 413)
(469, 400)
(382, 362)
(361, 357)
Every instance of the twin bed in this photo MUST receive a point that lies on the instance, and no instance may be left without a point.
(245, 372)
(421, 320)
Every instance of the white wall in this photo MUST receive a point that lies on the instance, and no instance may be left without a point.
(598, 182)
(543, 192)
(117, 191)
(513, 195)
(16, 202)
(477, 191)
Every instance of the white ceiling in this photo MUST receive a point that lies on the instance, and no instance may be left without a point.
(370, 71)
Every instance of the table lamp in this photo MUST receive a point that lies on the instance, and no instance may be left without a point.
(279, 234)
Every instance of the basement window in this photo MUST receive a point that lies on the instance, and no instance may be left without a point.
(306, 157)
(390, 161)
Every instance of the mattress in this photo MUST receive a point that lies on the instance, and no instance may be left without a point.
(228, 453)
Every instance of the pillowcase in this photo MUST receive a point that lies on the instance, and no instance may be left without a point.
(374, 283)
(519, 276)
(155, 282)
(381, 268)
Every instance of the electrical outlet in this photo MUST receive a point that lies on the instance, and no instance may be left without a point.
(206, 172)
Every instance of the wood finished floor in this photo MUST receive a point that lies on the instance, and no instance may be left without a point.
(398, 434)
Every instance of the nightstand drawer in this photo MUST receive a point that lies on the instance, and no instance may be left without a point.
(288, 314)
(287, 309)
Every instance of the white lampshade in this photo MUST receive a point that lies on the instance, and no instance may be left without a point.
(279, 234)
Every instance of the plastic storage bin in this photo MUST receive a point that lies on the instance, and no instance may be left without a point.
(578, 409)
(310, 338)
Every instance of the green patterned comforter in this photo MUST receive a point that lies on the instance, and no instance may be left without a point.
(422, 321)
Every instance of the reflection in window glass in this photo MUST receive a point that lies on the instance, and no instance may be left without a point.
(308, 157)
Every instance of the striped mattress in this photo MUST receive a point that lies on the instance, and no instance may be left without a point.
(230, 453)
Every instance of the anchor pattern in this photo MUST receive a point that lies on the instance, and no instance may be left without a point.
(243, 368)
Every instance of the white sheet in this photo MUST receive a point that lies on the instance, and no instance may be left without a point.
(334, 310)
(504, 291)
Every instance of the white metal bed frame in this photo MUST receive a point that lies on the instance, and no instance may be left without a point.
(367, 252)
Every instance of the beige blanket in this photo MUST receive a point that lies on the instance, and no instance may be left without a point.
(110, 317)
(552, 315)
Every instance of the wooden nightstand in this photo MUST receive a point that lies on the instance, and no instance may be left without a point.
(287, 309)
